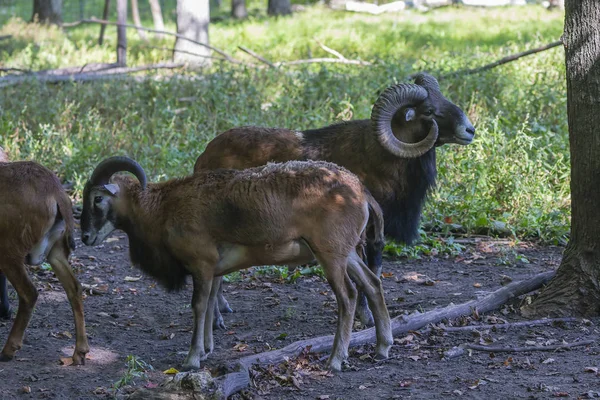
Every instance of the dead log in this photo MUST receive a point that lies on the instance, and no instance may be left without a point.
(460, 350)
(105, 73)
(402, 324)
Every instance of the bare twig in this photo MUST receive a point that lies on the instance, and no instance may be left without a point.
(460, 350)
(509, 325)
(330, 50)
(321, 60)
(185, 52)
(258, 57)
(503, 60)
(103, 22)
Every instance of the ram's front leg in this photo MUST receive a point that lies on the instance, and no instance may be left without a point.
(200, 299)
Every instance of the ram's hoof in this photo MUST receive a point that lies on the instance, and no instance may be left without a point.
(5, 358)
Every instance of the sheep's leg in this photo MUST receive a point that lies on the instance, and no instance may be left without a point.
(371, 285)
(5, 311)
(58, 259)
(212, 305)
(17, 275)
(200, 299)
(221, 306)
(373, 258)
(345, 294)
(222, 301)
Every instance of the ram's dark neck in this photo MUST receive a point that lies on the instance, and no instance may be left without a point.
(400, 185)
(402, 211)
(140, 217)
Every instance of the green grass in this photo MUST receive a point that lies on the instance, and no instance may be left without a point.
(516, 172)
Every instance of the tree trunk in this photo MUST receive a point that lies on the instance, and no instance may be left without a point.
(238, 9)
(135, 15)
(104, 17)
(560, 4)
(576, 288)
(122, 33)
(159, 24)
(193, 17)
(279, 7)
(47, 11)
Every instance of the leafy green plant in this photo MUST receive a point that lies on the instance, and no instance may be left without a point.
(136, 369)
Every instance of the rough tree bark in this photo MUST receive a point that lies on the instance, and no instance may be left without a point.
(122, 33)
(576, 288)
(47, 11)
(238, 9)
(279, 7)
(157, 17)
(193, 17)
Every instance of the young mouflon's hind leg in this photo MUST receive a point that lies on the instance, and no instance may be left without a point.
(371, 285)
(5, 311)
(17, 275)
(345, 294)
(58, 259)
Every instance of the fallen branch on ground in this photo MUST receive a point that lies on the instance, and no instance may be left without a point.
(460, 350)
(98, 74)
(236, 381)
(503, 60)
(228, 384)
(177, 35)
(331, 51)
(509, 325)
(258, 57)
(321, 60)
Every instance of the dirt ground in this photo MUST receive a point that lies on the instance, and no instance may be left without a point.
(135, 317)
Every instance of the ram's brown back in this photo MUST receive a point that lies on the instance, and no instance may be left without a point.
(250, 146)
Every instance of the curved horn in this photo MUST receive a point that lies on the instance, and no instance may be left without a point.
(389, 102)
(112, 165)
(427, 81)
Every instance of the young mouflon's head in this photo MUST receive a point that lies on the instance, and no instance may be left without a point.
(98, 217)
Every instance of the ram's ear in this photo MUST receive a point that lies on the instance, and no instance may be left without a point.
(112, 188)
(410, 114)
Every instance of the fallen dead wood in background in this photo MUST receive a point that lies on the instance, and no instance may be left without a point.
(460, 350)
(503, 60)
(63, 75)
(230, 383)
(177, 35)
(509, 325)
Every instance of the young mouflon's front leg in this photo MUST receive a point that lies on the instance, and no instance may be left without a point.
(200, 300)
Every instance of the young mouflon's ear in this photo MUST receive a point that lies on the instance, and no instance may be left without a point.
(410, 114)
(112, 188)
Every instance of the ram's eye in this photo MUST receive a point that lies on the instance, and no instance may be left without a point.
(428, 113)
(98, 199)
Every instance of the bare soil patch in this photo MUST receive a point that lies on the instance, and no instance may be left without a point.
(137, 317)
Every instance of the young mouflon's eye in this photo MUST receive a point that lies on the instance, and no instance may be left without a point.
(98, 199)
